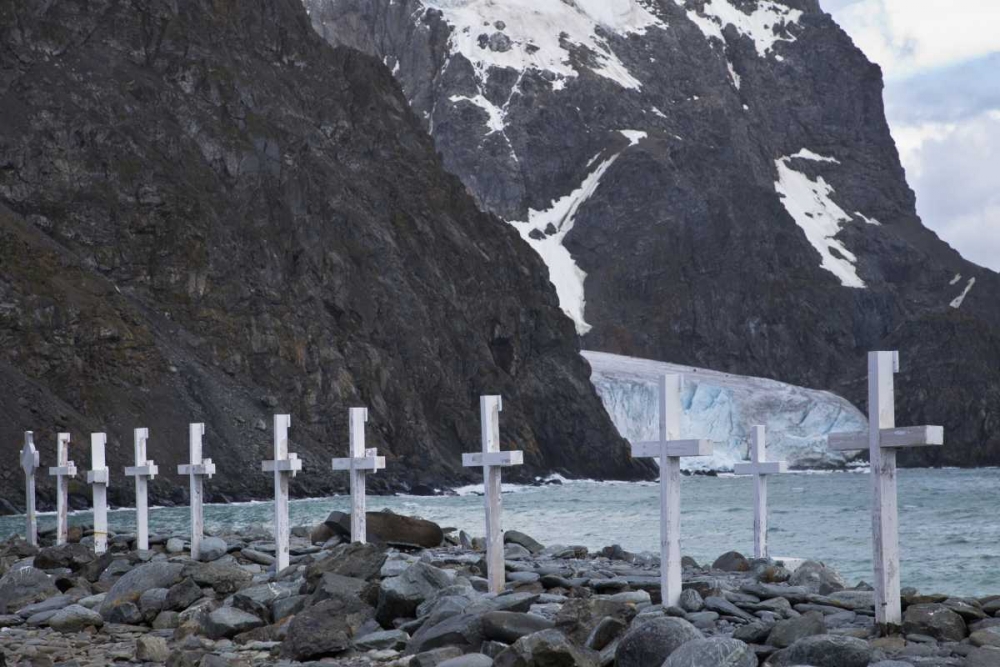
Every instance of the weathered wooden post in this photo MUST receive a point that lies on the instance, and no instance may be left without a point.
(359, 462)
(63, 470)
(668, 451)
(196, 471)
(29, 464)
(143, 471)
(882, 441)
(760, 468)
(493, 460)
(98, 477)
(283, 466)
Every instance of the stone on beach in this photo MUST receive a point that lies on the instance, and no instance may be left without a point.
(547, 647)
(131, 586)
(934, 620)
(712, 652)
(24, 585)
(326, 629)
(652, 642)
(400, 596)
(390, 528)
(823, 651)
(75, 618)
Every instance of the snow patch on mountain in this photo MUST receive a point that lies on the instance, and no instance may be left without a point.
(957, 301)
(539, 34)
(545, 230)
(870, 221)
(759, 25)
(809, 204)
(724, 408)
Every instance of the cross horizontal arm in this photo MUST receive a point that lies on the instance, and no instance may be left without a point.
(674, 448)
(762, 468)
(202, 469)
(911, 436)
(99, 476)
(509, 458)
(150, 469)
(291, 464)
(360, 463)
(68, 470)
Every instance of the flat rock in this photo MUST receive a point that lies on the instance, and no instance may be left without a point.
(22, 586)
(69, 556)
(817, 577)
(470, 660)
(526, 541)
(712, 652)
(400, 596)
(548, 648)
(464, 631)
(934, 620)
(151, 649)
(509, 626)
(326, 629)
(130, 587)
(824, 651)
(785, 633)
(390, 528)
(75, 618)
(360, 561)
(383, 639)
(227, 622)
(223, 577)
(212, 549)
(986, 637)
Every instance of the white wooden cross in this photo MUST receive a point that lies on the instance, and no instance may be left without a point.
(882, 440)
(493, 460)
(668, 450)
(143, 471)
(760, 468)
(98, 477)
(29, 464)
(359, 462)
(283, 466)
(63, 470)
(196, 470)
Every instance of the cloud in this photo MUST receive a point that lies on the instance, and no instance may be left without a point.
(952, 168)
(910, 36)
(950, 94)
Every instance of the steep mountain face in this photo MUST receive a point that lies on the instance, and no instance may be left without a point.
(209, 214)
(710, 182)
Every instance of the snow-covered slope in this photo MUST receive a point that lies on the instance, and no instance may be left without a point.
(723, 408)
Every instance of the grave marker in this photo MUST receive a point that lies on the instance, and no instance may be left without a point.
(197, 470)
(359, 462)
(63, 470)
(760, 468)
(668, 450)
(283, 466)
(29, 464)
(882, 440)
(99, 477)
(143, 471)
(493, 460)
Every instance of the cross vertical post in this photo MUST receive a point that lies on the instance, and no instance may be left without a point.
(63, 470)
(493, 460)
(283, 466)
(143, 471)
(668, 451)
(360, 461)
(882, 441)
(98, 477)
(197, 470)
(29, 464)
(760, 468)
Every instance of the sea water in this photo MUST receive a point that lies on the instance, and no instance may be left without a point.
(949, 520)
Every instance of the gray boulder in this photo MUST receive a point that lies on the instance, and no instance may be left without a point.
(649, 644)
(509, 626)
(126, 613)
(151, 649)
(151, 602)
(726, 608)
(332, 584)
(182, 595)
(227, 622)
(175, 545)
(713, 652)
(399, 597)
(934, 620)
(824, 651)
(361, 561)
(130, 587)
(548, 648)
(470, 660)
(75, 618)
(984, 656)
(223, 577)
(69, 556)
(326, 629)
(22, 586)
(526, 541)
(383, 639)
(390, 528)
(731, 561)
(818, 578)
(691, 600)
(786, 633)
(464, 631)
(212, 549)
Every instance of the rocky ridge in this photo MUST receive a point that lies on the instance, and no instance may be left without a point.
(710, 183)
(418, 606)
(209, 214)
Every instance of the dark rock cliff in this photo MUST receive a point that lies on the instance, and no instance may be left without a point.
(209, 214)
(711, 183)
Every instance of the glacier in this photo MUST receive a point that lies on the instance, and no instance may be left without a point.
(723, 407)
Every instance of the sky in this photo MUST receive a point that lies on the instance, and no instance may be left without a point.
(941, 62)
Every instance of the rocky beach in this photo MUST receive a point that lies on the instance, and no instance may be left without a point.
(417, 597)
